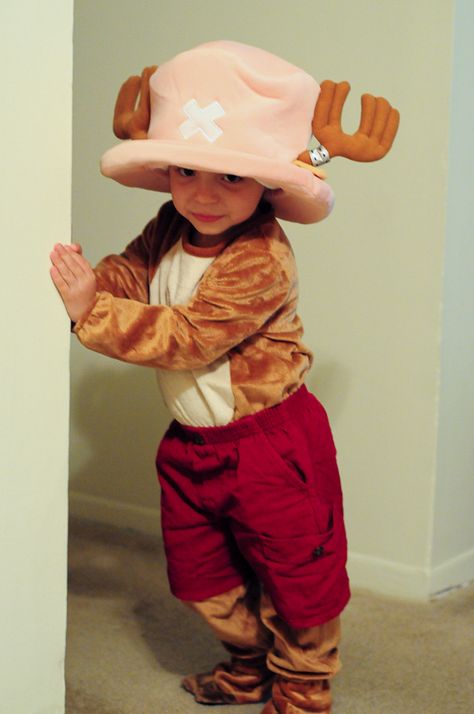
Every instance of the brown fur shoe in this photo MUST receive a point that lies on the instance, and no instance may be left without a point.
(291, 697)
(240, 681)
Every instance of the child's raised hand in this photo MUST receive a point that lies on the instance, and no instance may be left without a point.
(74, 279)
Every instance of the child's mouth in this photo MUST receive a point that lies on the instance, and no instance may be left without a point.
(206, 217)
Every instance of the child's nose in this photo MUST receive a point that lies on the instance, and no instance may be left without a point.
(206, 190)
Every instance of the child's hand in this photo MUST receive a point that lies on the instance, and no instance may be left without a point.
(73, 278)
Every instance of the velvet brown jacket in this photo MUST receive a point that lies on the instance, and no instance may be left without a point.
(244, 310)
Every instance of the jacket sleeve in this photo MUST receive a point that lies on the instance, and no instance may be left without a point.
(241, 290)
(126, 275)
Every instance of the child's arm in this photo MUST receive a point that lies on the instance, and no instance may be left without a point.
(127, 275)
(123, 276)
(240, 292)
(74, 279)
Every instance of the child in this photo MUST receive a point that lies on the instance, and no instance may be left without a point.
(207, 295)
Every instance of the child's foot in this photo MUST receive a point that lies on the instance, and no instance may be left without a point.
(240, 681)
(291, 697)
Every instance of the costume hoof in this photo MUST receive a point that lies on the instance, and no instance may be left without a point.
(291, 697)
(205, 689)
(236, 682)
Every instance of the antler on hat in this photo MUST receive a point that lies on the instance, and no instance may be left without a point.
(372, 140)
(132, 121)
(232, 108)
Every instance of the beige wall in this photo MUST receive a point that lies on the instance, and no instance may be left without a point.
(453, 527)
(36, 72)
(371, 275)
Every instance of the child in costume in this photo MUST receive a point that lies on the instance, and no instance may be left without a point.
(207, 295)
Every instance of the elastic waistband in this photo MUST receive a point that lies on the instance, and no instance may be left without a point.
(264, 420)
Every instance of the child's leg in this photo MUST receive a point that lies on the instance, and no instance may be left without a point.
(262, 496)
(234, 619)
(207, 571)
(304, 661)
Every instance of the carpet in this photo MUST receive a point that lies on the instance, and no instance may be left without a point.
(130, 642)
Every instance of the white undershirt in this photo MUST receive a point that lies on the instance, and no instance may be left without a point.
(198, 397)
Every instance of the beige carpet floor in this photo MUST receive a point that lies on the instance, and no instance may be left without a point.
(130, 642)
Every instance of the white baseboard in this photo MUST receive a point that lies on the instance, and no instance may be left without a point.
(406, 581)
(115, 513)
(365, 571)
(388, 577)
(453, 573)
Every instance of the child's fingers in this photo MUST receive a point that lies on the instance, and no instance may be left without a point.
(62, 267)
(75, 262)
(71, 247)
(70, 263)
(58, 281)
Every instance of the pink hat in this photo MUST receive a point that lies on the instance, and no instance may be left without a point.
(228, 108)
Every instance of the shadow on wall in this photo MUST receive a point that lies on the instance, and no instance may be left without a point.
(117, 421)
(330, 383)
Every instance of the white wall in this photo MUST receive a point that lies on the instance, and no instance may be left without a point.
(36, 72)
(371, 275)
(453, 542)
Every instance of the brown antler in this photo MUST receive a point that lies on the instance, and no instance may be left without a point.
(372, 140)
(132, 118)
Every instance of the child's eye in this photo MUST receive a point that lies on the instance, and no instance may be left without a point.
(231, 178)
(185, 172)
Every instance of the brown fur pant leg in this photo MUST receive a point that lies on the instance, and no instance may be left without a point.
(291, 697)
(234, 619)
(304, 661)
(262, 645)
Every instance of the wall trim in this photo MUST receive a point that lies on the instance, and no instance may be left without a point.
(388, 577)
(408, 581)
(453, 573)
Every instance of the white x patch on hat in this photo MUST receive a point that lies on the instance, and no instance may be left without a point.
(202, 120)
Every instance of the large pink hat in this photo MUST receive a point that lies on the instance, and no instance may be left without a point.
(228, 108)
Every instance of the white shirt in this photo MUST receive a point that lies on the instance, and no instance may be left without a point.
(198, 397)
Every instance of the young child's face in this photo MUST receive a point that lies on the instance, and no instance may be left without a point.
(212, 202)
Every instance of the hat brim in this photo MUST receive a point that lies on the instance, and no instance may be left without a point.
(296, 193)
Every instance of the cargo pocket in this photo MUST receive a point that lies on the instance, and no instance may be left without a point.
(305, 575)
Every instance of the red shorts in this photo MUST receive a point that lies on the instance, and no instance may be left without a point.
(261, 495)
